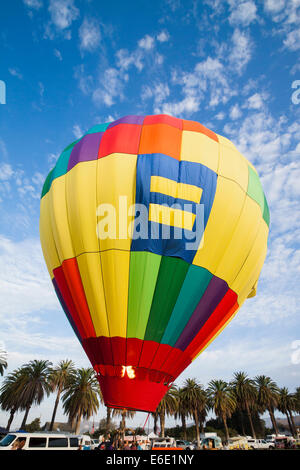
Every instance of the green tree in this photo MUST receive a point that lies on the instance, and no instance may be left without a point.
(3, 361)
(34, 426)
(34, 381)
(286, 403)
(81, 398)
(267, 397)
(59, 378)
(222, 401)
(183, 410)
(246, 394)
(167, 406)
(195, 400)
(10, 394)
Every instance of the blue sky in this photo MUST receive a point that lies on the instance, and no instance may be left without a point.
(69, 64)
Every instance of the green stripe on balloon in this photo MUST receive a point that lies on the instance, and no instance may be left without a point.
(255, 191)
(144, 268)
(172, 273)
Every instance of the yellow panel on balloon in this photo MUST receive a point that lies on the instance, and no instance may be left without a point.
(226, 209)
(59, 219)
(197, 147)
(89, 265)
(82, 204)
(48, 243)
(115, 270)
(116, 177)
(247, 278)
(233, 166)
(241, 241)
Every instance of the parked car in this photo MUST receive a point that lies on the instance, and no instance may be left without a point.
(260, 444)
(285, 442)
(166, 443)
(186, 445)
(45, 441)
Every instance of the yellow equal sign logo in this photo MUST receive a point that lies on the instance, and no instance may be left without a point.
(173, 216)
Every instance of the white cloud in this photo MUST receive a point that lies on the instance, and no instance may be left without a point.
(147, 42)
(292, 40)
(35, 4)
(57, 54)
(89, 34)
(62, 14)
(241, 50)
(77, 131)
(256, 101)
(235, 112)
(6, 171)
(112, 86)
(163, 36)
(274, 6)
(243, 12)
(15, 73)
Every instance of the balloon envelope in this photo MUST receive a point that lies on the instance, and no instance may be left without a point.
(154, 230)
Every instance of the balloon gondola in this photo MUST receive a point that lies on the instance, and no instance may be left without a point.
(145, 305)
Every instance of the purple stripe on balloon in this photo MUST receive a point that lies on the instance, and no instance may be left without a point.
(127, 120)
(86, 149)
(213, 295)
(65, 309)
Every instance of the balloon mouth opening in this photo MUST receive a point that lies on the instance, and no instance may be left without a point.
(132, 394)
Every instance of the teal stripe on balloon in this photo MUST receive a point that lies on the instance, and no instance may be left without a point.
(193, 288)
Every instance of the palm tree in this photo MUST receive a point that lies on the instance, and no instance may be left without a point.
(223, 401)
(155, 420)
(34, 380)
(123, 414)
(245, 394)
(182, 410)
(286, 403)
(267, 397)
(81, 398)
(195, 400)
(108, 419)
(10, 394)
(297, 399)
(59, 378)
(167, 406)
(3, 361)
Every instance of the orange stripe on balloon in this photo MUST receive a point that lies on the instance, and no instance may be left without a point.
(161, 138)
(197, 127)
(72, 275)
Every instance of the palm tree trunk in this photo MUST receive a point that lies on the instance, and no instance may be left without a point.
(155, 417)
(226, 428)
(162, 424)
(123, 424)
(108, 418)
(183, 420)
(78, 421)
(289, 423)
(11, 417)
(293, 423)
(250, 420)
(271, 413)
(55, 408)
(197, 428)
(25, 417)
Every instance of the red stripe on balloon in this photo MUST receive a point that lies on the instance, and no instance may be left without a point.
(72, 276)
(123, 138)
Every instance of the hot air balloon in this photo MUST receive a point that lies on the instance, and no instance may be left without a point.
(145, 306)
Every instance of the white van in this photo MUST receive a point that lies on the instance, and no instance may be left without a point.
(46, 441)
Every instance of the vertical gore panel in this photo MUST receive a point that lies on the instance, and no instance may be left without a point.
(197, 147)
(193, 288)
(46, 235)
(144, 268)
(72, 276)
(213, 295)
(171, 276)
(115, 272)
